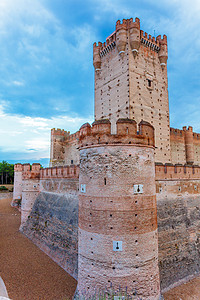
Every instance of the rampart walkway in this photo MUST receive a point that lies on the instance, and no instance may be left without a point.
(29, 274)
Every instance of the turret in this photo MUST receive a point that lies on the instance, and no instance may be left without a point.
(118, 242)
(189, 145)
(121, 36)
(96, 56)
(134, 35)
(163, 53)
(30, 189)
(58, 136)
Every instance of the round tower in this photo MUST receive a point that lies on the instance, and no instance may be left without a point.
(189, 145)
(17, 192)
(163, 52)
(118, 242)
(121, 36)
(134, 35)
(96, 56)
(30, 189)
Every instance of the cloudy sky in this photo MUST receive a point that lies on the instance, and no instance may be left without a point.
(46, 65)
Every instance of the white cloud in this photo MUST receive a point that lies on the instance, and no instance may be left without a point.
(29, 135)
(18, 83)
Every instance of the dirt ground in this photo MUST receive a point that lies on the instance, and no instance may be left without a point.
(28, 273)
(187, 291)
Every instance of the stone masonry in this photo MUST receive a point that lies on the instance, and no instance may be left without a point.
(119, 205)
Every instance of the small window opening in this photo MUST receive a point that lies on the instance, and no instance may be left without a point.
(105, 181)
(149, 82)
(72, 162)
(127, 130)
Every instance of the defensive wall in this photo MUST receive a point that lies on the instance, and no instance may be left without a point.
(64, 148)
(49, 211)
(52, 223)
(178, 211)
(185, 147)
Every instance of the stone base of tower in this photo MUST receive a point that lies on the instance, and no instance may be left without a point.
(122, 271)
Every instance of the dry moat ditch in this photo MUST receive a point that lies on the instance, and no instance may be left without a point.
(30, 274)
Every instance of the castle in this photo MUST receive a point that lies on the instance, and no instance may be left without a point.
(120, 203)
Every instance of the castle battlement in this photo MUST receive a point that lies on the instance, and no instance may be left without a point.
(175, 132)
(128, 24)
(18, 167)
(100, 133)
(149, 41)
(137, 37)
(72, 137)
(60, 132)
(60, 172)
(176, 172)
(31, 172)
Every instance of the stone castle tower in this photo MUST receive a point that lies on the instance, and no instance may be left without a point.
(104, 180)
(26, 187)
(131, 81)
(118, 241)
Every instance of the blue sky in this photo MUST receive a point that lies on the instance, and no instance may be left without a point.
(46, 65)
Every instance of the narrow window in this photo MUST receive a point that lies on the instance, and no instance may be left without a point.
(72, 162)
(105, 181)
(149, 82)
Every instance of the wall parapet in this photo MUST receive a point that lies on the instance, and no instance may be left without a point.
(100, 133)
(178, 171)
(60, 132)
(28, 171)
(181, 132)
(60, 172)
(73, 136)
(36, 172)
(119, 38)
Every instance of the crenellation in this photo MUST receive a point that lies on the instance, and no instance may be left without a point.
(18, 167)
(100, 133)
(71, 171)
(60, 132)
(178, 171)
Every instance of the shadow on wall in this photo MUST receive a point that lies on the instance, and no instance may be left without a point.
(53, 227)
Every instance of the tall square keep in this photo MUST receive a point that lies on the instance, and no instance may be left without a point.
(131, 81)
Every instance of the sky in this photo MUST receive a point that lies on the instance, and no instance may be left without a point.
(47, 74)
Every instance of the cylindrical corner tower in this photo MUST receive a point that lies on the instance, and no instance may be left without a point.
(189, 145)
(118, 243)
(30, 189)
